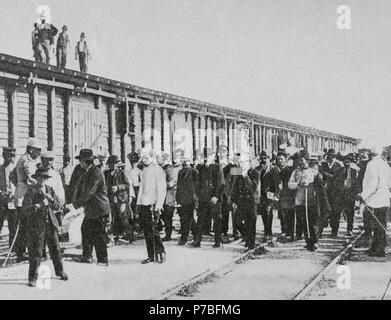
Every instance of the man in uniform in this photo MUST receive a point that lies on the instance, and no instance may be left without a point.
(211, 186)
(284, 197)
(62, 47)
(329, 170)
(25, 168)
(186, 198)
(376, 196)
(245, 200)
(91, 194)
(39, 204)
(7, 190)
(172, 180)
(120, 191)
(266, 206)
(150, 199)
(346, 193)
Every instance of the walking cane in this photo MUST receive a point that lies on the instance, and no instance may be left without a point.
(12, 245)
(306, 212)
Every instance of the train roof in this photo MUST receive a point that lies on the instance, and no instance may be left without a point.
(27, 71)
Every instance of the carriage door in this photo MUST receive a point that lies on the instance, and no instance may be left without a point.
(85, 128)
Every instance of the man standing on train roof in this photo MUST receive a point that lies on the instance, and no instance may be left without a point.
(150, 200)
(24, 170)
(35, 36)
(7, 189)
(62, 47)
(46, 38)
(82, 53)
(376, 197)
(211, 185)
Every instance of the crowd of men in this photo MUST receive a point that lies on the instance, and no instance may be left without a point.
(210, 193)
(43, 40)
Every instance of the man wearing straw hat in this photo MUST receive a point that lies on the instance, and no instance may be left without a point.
(24, 170)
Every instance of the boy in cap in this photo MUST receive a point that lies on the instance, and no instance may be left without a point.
(62, 47)
(7, 189)
(39, 205)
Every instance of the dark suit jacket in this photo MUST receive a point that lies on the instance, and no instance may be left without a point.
(36, 218)
(340, 179)
(187, 187)
(91, 193)
(245, 189)
(210, 182)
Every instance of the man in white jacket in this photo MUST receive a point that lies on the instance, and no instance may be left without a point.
(152, 194)
(376, 195)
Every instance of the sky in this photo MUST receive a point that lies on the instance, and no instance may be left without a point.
(278, 58)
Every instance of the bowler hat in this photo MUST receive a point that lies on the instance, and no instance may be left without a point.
(85, 154)
(9, 151)
(133, 157)
(304, 154)
(41, 172)
(64, 28)
(114, 159)
(264, 154)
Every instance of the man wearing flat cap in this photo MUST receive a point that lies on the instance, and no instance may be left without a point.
(90, 192)
(39, 204)
(24, 170)
(7, 190)
(62, 47)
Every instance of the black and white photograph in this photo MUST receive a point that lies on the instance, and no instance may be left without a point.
(177, 151)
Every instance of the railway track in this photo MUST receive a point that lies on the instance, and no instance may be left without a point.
(338, 259)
